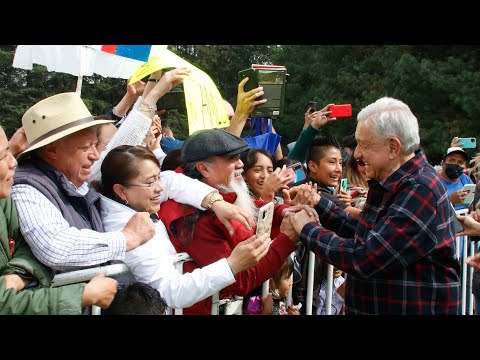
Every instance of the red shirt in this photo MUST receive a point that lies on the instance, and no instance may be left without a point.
(212, 242)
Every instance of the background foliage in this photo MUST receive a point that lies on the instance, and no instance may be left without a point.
(441, 84)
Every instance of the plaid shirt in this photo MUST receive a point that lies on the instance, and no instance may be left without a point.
(400, 255)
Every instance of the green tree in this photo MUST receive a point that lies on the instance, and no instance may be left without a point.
(441, 84)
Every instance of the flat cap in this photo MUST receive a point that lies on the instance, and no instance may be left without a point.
(203, 144)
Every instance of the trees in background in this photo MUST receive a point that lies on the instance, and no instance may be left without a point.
(441, 84)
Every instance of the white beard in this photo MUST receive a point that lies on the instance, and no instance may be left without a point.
(244, 199)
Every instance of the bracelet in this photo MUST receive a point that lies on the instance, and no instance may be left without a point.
(153, 80)
(148, 107)
(213, 199)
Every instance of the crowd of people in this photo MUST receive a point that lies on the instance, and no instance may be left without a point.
(81, 191)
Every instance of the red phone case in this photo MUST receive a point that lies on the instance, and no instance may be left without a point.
(344, 110)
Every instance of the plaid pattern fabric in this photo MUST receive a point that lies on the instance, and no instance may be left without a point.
(400, 255)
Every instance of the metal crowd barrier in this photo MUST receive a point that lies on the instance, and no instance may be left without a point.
(85, 275)
(230, 306)
(464, 247)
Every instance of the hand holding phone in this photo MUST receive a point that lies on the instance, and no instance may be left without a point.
(299, 172)
(467, 143)
(338, 111)
(312, 106)
(265, 219)
(470, 190)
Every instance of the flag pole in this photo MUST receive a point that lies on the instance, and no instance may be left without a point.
(79, 85)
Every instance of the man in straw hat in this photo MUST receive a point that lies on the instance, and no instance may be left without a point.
(20, 270)
(56, 205)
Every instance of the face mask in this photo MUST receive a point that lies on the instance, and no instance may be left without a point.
(453, 171)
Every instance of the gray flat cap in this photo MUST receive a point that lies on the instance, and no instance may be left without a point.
(211, 142)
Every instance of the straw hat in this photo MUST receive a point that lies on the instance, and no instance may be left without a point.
(54, 118)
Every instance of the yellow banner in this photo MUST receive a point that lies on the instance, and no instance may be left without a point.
(205, 107)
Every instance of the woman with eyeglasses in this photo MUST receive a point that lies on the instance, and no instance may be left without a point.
(131, 182)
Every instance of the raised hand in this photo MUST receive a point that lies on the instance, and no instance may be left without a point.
(154, 135)
(276, 181)
(136, 89)
(18, 142)
(226, 212)
(305, 194)
(455, 143)
(321, 119)
(246, 101)
(175, 77)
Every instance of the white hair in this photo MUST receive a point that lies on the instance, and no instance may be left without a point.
(391, 117)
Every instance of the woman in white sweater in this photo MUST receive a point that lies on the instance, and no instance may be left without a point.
(131, 182)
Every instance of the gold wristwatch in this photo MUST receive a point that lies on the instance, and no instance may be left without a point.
(213, 199)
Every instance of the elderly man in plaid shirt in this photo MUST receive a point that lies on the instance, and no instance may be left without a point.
(400, 255)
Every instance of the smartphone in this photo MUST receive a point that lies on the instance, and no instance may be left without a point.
(299, 172)
(312, 106)
(252, 82)
(468, 143)
(457, 225)
(265, 219)
(470, 189)
(338, 111)
(344, 184)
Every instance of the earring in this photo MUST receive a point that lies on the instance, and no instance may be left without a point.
(126, 201)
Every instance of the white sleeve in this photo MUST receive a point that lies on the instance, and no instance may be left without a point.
(138, 102)
(54, 242)
(132, 132)
(184, 189)
(160, 155)
(152, 263)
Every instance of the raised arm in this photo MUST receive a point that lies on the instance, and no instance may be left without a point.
(186, 190)
(139, 120)
(246, 102)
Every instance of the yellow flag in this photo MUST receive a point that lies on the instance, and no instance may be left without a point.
(205, 106)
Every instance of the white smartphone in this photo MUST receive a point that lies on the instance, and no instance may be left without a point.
(470, 189)
(265, 219)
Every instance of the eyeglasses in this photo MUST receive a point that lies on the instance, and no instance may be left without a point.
(150, 185)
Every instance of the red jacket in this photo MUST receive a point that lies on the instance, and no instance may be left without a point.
(212, 241)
